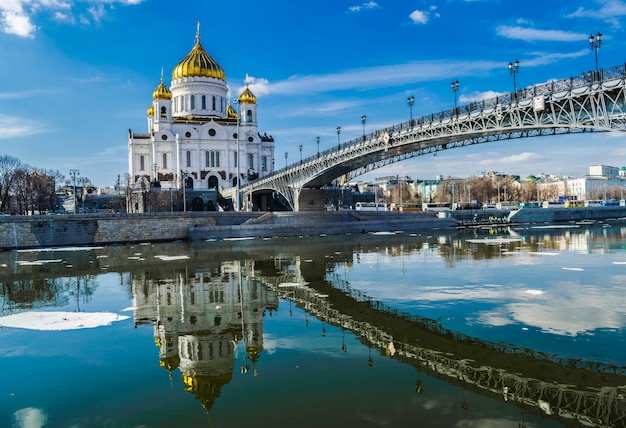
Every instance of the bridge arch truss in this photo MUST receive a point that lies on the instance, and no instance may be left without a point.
(589, 103)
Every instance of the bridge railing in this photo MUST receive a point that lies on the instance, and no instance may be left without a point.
(585, 79)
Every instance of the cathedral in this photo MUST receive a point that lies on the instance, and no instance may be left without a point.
(197, 140)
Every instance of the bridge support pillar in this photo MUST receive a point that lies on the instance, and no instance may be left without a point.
(310, 200)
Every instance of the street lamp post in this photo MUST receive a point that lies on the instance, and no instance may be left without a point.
(74, 173)
(338, 140)
(455, 88)
(363, 119)
(317, 140)
(595, 42)
(238, 196)
(513, 69)
(184, 176)
(300, 147)
(286, 156)
(410, 102)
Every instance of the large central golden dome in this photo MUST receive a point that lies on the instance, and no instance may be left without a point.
(198, 63)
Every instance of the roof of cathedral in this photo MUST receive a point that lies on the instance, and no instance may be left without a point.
(198, 63)
(230, 112)
(162, 92)
(247, 97)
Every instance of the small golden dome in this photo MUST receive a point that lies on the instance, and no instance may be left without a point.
(247, 97)
(151, 114)
(198, 63)
(230, 112)
(162, 92)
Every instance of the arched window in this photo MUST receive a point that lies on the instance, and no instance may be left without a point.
(222, 104)
(249, 116)
(206, 159)
(213, 102)
(164, 160)
(188, 159)
(235, 159)
(193, 102)
(217, 159)
(203, 102)
(142, 163)
(250, 161)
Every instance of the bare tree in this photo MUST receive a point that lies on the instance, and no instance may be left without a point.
(9, 165)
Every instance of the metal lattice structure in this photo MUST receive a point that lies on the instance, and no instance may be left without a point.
(594, 101)
(603, 406)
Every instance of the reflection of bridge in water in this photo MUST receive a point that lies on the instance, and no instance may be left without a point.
(201, 316)
(586, 103)
(590, 404)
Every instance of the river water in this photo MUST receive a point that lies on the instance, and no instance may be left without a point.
(510, 327)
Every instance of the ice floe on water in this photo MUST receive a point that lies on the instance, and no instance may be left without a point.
(43, 250)
(493, 240)
(543, 253)
(55, 321)
(573, 268)
(37, 262)
(170, 258)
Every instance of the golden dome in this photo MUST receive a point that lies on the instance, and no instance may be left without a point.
(162, 92)
(247, 97)
(170, 363)
(230, 112)
(151, 114)
(198, 63)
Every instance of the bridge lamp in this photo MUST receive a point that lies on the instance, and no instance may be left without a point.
(300, 147)
(363, 119)
(595, 42)
(513, 69)
(410, 102)
(455, 88)
(286, 156)
(74, 173)
(338, 140)
(317, 140)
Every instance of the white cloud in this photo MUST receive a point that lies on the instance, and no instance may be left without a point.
(13, 127)
(419, 17)
(16, 22)
(364, 6)
(479, 96)
(17, 16)
(608, 9)
(521, 157)
(533, 34)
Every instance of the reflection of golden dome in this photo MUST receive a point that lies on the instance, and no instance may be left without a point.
(151, 113)
(170, 363)
(157, 339)
(247, 97)
(162, 92)
(206, 388)
(198, 63)
(254, 353)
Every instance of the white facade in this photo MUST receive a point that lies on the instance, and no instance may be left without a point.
(194, 133)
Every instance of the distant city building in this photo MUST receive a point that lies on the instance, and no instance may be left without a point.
(603, 170)
(196, 138)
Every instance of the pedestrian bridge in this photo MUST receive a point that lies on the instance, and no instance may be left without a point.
(593, 101)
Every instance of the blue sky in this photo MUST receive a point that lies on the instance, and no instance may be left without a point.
(76, 75)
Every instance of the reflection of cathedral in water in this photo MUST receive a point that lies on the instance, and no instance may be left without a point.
(200, 319)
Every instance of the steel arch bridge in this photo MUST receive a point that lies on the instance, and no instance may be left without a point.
(594, 101)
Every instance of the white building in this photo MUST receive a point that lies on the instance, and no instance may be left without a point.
(194, 134)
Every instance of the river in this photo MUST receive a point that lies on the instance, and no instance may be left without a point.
(494, 327)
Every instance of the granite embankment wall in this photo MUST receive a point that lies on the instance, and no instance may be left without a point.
(325, 223)
(561, 215)
(20, 232)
